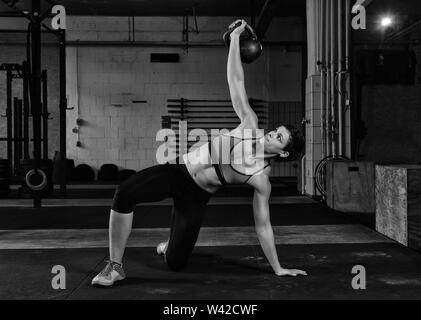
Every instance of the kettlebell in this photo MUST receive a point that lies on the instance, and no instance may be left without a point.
(250, 47)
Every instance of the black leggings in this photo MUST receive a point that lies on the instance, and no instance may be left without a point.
(168, 181)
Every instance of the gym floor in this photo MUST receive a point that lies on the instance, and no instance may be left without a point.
(227, 260)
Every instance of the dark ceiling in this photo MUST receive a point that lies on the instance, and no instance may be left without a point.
(407, 13)
(171, 7)
(206, 7)
(400, 7)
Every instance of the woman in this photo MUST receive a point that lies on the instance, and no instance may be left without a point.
(192, 184)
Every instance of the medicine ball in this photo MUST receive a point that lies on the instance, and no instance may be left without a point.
(108, 172)
(83, 172)
(250, 47)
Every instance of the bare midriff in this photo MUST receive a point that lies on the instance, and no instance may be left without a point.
(199, 165)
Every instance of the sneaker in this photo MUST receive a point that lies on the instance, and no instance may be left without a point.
(111, 273)
(161, 248)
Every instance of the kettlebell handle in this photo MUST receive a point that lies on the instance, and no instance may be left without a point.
(251, 32)
(247, 27)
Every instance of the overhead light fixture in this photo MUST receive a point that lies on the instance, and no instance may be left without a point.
(386, 22)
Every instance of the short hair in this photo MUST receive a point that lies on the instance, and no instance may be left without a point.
(295, 146)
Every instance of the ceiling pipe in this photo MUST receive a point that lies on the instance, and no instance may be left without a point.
(252, 14)
(265, 17)
(328, 75)
(339, 83)
(332, 62)
(322, 66)
(348, 110)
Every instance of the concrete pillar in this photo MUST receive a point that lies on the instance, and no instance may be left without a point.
(316, 22)
(313, 97)
(313, 131)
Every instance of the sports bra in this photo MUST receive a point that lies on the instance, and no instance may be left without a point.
(216, 156)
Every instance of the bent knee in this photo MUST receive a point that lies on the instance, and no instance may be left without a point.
(123, 200)
(175, 264)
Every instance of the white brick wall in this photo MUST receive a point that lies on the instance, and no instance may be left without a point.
(102, 82)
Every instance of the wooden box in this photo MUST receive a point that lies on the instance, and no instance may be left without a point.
(350, 186)
(398, 203)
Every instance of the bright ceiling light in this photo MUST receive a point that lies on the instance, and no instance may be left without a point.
(386, 21)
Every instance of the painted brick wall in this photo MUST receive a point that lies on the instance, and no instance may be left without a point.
(102, 82)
